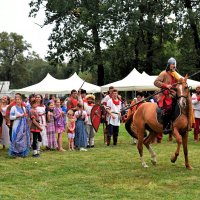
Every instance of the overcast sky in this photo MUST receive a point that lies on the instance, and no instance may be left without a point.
(14, 18)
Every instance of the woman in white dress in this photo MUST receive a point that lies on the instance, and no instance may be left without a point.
(41, 109)
(5, 141)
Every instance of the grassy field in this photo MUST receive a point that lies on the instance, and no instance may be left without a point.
(113, 172)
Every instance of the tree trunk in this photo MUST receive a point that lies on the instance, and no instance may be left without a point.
(96, 41)
(98, 57)
(149, 55)
(194, 28)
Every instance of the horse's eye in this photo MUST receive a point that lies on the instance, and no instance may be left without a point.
(186, 87)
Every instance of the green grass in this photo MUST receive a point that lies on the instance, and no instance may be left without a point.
(113, 172)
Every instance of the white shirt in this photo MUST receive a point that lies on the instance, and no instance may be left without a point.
(115, 109)
(196, 106)
(88, 108)
(105, 99)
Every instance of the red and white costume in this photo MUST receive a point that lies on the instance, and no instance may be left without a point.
(196, 108)
(89, 128)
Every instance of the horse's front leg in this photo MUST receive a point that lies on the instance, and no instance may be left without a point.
(179, 142)
(185, 150)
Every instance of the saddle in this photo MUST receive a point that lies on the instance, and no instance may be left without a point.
(176, 112)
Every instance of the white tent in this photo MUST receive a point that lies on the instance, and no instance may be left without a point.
(133, 81)
(47, 85)
(75, 82)
(52, 85)
(136, 81)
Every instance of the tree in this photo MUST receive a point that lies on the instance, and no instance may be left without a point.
(12, 59)
(187, 15)
(78, 26)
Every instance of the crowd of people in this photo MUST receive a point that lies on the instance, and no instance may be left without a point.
(35, 122)
(29, 123)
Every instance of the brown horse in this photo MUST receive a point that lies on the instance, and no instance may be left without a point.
(146, 118)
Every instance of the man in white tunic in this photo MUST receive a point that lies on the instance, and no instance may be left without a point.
(88, 105)
(113, 108)
(196, 107)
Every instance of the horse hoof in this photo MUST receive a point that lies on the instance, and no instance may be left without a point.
(173, 159)
(154, 162)
(145, 165)
(189, 167)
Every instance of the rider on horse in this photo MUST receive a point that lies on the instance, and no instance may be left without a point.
(166, 80)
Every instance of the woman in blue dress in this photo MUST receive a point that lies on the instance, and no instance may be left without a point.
(80, 130)
(20, 144)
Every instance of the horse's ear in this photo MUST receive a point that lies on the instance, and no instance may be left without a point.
(186, 77)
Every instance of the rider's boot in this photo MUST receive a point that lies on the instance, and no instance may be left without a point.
(166, 124)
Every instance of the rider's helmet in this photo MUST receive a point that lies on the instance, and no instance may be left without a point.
(170, 61)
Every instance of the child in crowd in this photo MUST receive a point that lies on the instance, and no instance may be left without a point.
(80, 133)
(59, 123)
(70, 129)
(64, 109)
(41, 109)
(51, 132)
(35, 128)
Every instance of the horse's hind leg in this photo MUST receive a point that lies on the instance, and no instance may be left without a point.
(185, 150)
(147, 142)
(140, 134)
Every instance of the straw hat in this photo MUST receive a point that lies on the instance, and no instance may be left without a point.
(91, 96)
(198, 87)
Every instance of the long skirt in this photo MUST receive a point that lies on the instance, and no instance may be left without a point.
(20, 144)
(51, 136)
(80, 134)
(44, 135)
(5, 134)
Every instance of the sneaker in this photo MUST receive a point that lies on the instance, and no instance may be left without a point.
(36, 155)
(83, 149)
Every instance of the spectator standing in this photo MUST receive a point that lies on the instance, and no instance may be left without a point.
(64, 109)
(80, 131)
(105, 116)
(9, 122)
(113, 109)
(88, 105)
(59, 123)
(35, 129)
(72, 101)
(5, 101)
(20, 143)
(28, 104)
(196, 107)
(51, 131)
(70, 129)
(46, 100)
(41, 109)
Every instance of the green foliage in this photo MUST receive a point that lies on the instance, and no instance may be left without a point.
(12, 49)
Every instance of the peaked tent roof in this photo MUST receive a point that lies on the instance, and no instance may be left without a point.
(75, 82)
(48, 84)
(136, 81)
(133, 81)
(54, 86)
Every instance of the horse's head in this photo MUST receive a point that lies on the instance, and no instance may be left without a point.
(182, 91)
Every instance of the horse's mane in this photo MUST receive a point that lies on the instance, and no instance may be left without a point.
(182, 80)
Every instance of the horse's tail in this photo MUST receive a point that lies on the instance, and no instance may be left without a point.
(128, 123)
